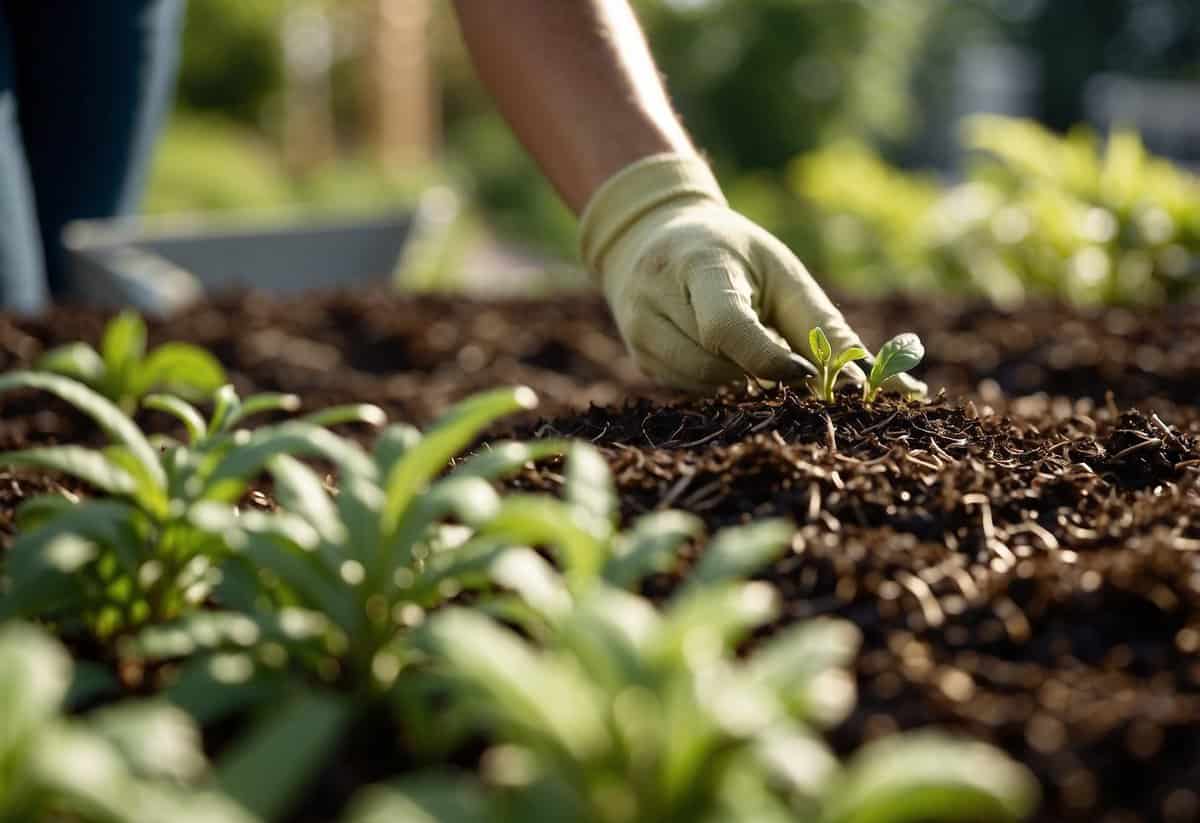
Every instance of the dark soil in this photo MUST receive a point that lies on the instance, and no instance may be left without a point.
(1022, 554)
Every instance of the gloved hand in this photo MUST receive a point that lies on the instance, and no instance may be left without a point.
(701, 295)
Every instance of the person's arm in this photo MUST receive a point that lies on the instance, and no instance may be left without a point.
(576, 82)
(701, 295)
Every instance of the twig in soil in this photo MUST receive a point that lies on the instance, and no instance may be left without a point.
(930, 608)
(1165, 429)
(677, 489)
(830, 436)
(879, 425)
(1048, 540)
(1145, 444)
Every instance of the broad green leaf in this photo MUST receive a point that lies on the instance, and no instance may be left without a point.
(295, 438)
(800, 759)
(527, 573)
(116, 423)
(539, 520)
(898, 355)
(157, 739)
(83, 771)
(353, 413)
(226, 409)
(846, 356)
(35, 672)
(649, 546)
(738, 552)
(261, 404)
(305, 576)
(502, 459)
(267, 769)
(806, 664)
(87, 465)
(78, 361)
(123, 346)
(449, 436)
(148, 493)
(393, 443)
(181, 410)
(588, 485)
(926, 776)
(104, 522)
(466, 567)
(179, 368)
(529, 695)
(300, 491)
(705, 621)
(47, 583)
(469, 499)
(432, 798)
(35, 511)
(818, 343)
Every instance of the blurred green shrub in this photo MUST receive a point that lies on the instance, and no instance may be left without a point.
(207, 164)
(1090, 220)
(232, 62)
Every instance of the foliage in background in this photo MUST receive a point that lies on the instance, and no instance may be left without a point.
(1074, 216)
(129, 763)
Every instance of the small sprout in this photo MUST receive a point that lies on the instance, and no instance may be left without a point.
(828, 365)
(898, 355)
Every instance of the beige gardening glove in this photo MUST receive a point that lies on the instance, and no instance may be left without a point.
(702, 296)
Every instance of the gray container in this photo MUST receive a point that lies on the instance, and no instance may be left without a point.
(160, 265)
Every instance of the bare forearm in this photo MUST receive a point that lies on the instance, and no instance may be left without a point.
(577, 84)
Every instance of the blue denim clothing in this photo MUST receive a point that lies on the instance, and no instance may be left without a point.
(84, 88)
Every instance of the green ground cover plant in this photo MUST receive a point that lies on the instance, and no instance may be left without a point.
(124, 372)
(131, 763)
(139, 552)
(603, 707)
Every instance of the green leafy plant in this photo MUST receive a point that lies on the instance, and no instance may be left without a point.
(124, 372)
(1090, 219)
(829, 364)
(331, 586)
(348, 591)
(132, 762)
(606, 708)
(898, 355)
(139, 552)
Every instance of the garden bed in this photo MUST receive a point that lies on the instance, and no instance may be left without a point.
(1022, 554)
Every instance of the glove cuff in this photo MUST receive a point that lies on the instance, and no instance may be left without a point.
(636, 190)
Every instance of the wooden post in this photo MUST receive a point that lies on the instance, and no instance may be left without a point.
(400, 103)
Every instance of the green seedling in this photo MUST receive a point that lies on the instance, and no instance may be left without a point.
(124, 372)
(128, 763)
(829, 366)
(897, 356)
(138, 553)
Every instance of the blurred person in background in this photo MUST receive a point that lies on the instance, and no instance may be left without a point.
(84, 88)
(701, 295)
